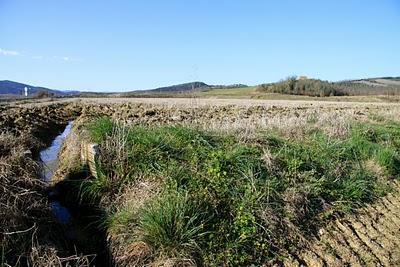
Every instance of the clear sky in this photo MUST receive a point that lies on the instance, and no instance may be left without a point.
(127, 44)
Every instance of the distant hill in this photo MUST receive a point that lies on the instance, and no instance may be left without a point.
(184, 87)
(181, 88)
(16, 88)
(382, 81)
(229, 86)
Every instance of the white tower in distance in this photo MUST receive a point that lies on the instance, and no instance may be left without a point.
(26, 91)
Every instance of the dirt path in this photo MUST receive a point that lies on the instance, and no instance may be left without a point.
(369, 238)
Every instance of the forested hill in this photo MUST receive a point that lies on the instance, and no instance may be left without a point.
(184, 87)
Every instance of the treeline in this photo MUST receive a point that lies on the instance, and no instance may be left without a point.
(360, 88)
(309, 87)
(319, 88)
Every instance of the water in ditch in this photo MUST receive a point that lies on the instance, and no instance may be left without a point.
(49, 159)
(77, 219)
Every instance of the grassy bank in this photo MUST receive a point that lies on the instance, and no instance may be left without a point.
(190, 195)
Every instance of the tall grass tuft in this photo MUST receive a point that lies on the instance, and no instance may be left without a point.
(173, 223)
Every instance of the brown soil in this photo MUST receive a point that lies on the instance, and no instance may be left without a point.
(36, 119)
(369, 238)
(29, 235)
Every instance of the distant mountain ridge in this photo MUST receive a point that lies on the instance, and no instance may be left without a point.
(371, 85)
(185, 88)
(16, 88)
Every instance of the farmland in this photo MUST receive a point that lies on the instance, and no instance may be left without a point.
(197, 181)
(199, 134)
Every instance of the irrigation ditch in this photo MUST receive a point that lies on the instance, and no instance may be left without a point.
(45, 221)
(79, 217)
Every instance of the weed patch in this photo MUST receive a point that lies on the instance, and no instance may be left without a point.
(225, 202)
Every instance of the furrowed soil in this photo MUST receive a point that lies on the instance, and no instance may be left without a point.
(369, 237)
(35, 120)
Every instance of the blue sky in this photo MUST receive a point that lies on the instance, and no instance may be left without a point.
(126, 44)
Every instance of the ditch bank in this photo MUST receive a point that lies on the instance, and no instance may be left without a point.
(29, 235)
(45, 219)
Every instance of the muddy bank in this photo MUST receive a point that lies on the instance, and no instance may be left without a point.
(82, 219)
(38, 122)
(29, 235)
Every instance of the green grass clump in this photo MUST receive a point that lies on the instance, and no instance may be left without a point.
(222, 202)
(100, 128)
(172, 223)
